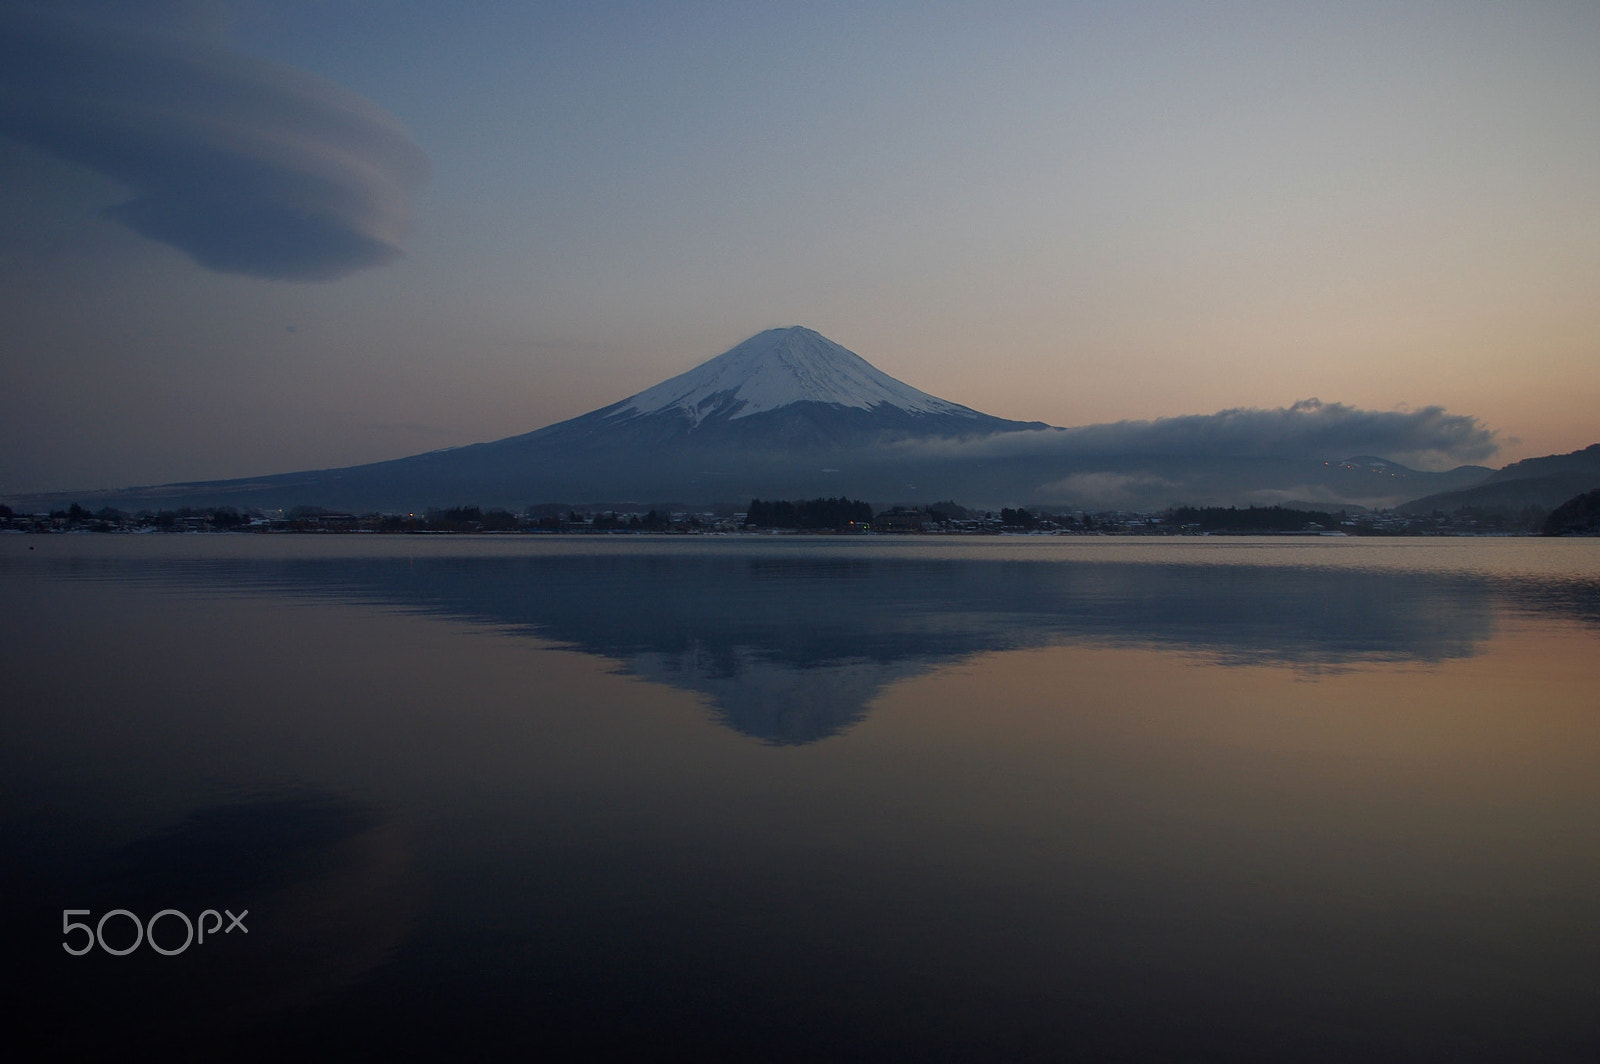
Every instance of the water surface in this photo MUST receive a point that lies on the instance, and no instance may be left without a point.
(812, 798)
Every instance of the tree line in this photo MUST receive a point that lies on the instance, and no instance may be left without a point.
(835, 514)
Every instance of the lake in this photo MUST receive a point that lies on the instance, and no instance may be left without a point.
(803, 798)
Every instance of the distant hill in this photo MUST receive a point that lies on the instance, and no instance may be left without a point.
(1543, 482)
(1576, 517)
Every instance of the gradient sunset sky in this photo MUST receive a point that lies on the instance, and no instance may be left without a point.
(258, 237)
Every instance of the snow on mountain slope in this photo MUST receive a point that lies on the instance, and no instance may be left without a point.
(778, 367)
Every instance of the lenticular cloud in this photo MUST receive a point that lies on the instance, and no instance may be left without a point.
(247, 166)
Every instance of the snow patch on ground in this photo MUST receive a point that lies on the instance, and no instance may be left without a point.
(776, 368)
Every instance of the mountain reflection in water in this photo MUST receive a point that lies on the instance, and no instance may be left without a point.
(794, 649)
(1168, 801)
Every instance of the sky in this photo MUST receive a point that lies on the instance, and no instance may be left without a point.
(257, 237)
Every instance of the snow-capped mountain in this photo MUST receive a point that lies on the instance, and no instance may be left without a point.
(789, 414)
(778, 368)
(786, 413)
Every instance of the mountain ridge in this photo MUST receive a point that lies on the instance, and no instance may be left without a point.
(1545, 482)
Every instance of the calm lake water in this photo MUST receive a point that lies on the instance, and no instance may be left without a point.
(805, 798)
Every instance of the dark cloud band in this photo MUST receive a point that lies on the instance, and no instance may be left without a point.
(247, 166)
(1310, 429)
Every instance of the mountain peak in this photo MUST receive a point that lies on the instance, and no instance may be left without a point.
(777, 368)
